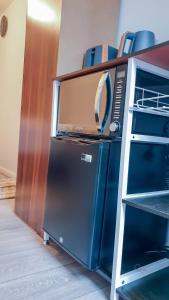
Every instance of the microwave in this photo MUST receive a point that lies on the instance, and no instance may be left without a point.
(93, 104)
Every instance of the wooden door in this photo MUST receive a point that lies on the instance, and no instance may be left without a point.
(41, 48)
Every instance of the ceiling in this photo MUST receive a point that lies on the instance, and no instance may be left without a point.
(4, 4)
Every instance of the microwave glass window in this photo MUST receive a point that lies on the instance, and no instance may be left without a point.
(77, 104)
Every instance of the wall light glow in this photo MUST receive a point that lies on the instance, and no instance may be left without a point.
(40, 11)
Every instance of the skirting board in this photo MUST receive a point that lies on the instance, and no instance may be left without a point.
(7, 172)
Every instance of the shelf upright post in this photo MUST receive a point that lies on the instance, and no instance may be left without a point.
(123, 178)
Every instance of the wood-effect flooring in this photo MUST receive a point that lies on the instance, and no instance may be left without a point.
(7, 187)
(31, 271)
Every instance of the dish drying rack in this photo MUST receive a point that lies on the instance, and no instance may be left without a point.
(150, 100)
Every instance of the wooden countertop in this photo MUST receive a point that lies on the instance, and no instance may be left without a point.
(157, 55)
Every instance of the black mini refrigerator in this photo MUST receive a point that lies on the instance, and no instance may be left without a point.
(84, 165)
(75, 196)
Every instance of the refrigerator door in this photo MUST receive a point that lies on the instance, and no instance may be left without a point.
(85, 104)
(75, 197)
(110, 209)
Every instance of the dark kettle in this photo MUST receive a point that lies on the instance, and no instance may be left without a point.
(138, 41)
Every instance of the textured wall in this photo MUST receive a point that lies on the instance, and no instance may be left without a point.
(84, 25)
(11, 75)
(146, 14)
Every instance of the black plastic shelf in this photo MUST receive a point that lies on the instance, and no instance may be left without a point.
(152, 287)
(155, 205)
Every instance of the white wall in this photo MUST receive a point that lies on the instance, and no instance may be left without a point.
(145, 14)
(4, 4)
(11, 75)
(85, 23)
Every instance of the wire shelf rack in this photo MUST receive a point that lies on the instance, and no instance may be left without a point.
(151, 100)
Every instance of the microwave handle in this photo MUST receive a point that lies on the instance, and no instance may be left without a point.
(105, 79)
(108, 102)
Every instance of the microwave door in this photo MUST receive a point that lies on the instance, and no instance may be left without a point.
(103, 110)
(77, 104)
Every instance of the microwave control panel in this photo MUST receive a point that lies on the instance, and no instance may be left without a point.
(116, 124)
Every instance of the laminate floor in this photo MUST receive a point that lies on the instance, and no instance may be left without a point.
(31, 271)
(7, 187)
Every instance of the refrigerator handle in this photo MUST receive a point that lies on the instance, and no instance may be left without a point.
(105, 79)
(55, 108)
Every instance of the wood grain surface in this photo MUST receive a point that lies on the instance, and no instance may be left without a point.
(41, 47)
(157, 55)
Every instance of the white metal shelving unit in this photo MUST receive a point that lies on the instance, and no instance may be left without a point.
(156, 105)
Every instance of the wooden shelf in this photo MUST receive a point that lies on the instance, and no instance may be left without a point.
(94, 69)
(152, 287)
(156, 55)
(158, 205)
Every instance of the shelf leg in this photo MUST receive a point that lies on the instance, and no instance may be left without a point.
(45, 238)
(123, 180)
